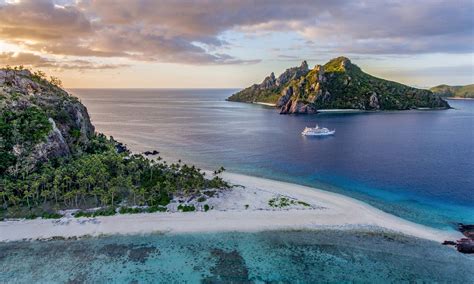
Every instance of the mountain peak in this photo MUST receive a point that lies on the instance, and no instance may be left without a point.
(338, 64)
(304, 65)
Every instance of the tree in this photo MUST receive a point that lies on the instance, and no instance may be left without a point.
(55, 81)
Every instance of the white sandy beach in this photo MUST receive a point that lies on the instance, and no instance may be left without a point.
(264, 104)
(342, 110)
(240, 209)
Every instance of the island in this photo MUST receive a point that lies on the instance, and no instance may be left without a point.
(457, 92)
(338, 84)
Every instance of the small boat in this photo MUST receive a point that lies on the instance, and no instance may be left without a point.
(317, 131)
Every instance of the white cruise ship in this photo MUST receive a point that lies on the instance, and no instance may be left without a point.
(317, 131)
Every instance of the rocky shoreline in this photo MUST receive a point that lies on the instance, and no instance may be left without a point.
(464, 245)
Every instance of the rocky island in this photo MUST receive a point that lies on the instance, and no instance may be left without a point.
(338, 84)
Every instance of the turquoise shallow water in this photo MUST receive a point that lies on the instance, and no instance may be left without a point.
(267, 257)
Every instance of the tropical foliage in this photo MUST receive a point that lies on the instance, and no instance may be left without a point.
(101, 177)
(51, 159)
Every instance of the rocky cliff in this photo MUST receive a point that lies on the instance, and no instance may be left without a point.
(338, 84)
(39, 121)
(269, 90)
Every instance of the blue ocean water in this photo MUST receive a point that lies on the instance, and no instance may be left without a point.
(414, 164)
(268, 257)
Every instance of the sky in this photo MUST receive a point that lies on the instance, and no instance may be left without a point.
(235, 43)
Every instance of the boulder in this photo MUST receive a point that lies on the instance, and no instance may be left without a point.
(374, 101)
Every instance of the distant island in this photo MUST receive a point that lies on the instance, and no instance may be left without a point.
(338, 84)
(466, 92)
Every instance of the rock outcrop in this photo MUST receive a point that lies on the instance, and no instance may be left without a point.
(62, 121)
(268, 91)
(464, 245)
(338, 84)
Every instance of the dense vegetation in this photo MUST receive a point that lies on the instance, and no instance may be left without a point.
(466, 91)
(338, 84)
(50, 159)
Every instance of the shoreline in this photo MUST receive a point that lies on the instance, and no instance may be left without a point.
(264, 104)
(243, 209)
(342, 110)
(458, 98)
(354, 110)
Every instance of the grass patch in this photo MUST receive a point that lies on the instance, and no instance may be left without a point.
(153, 209)
(303, 203)
(131, 210)
(280, 202)
(49, 215)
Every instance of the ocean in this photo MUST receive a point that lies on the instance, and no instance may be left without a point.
(413, 164)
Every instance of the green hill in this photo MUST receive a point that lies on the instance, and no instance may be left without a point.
(51, 158)
(338, 84)
(466, 91)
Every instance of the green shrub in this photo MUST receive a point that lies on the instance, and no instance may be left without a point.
(110, 211)
(130, 210)
(75, 133)
(201, 199)
(206, 207)
(31, 216)
(51, 215)
(186, 208)
(153, 209)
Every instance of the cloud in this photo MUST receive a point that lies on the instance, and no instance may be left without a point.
(41, 20)
(36, 61)
(15, 59)
(191, 32)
